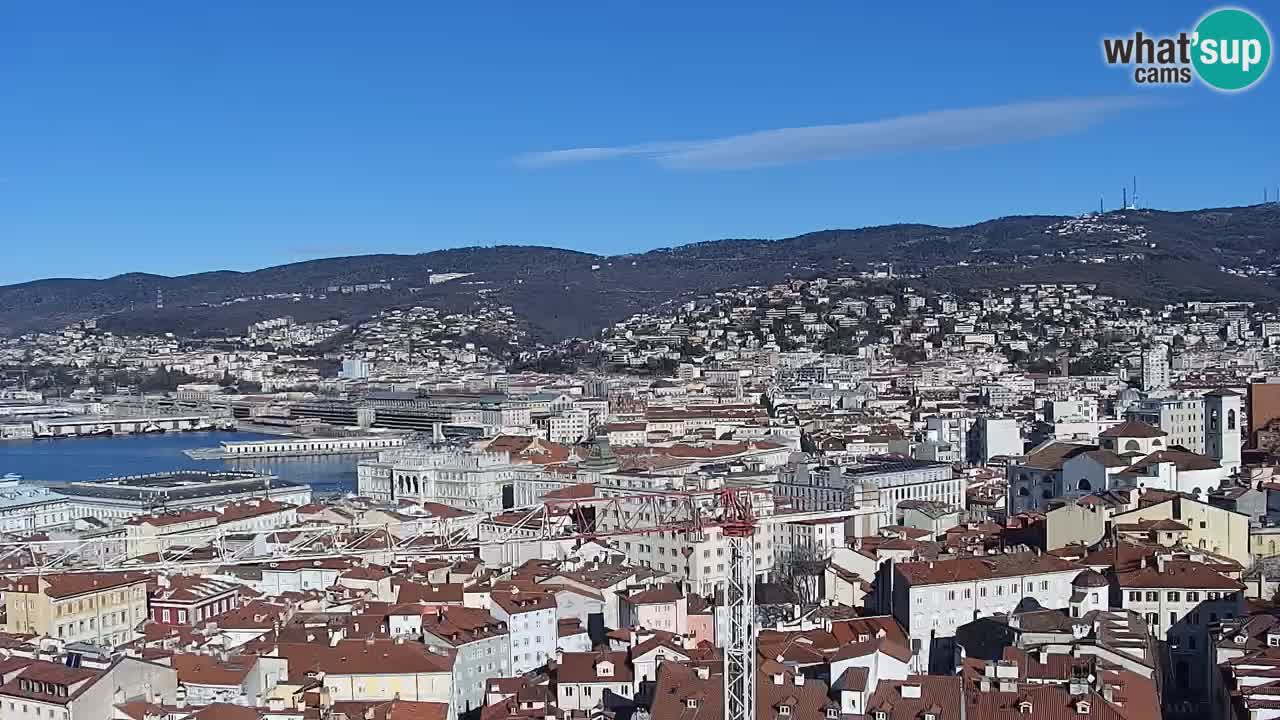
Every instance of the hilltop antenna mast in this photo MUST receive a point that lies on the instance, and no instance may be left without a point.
(1135, 193)
(1124, 198)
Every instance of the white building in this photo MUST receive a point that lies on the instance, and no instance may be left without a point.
(700, 558)
(481, 646)
(449, 476)
(873, 481)
(933, 598)
(994, 437)
(1182, 601)
(582, 679)
(1155, 368)
(953, 431)
(27, 508)
(1182, 418)
(354, 369)
(570, 427)
(531, 623)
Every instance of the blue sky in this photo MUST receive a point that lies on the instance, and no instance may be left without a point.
(180, 137)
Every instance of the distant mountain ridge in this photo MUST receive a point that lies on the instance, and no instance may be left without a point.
(1149, 255)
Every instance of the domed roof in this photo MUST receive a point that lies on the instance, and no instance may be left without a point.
(1090, 578)
(1027, 604)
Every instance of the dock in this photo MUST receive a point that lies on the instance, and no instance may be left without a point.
(299, 447)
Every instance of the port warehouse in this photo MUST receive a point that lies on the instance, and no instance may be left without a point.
(386, 410)
(91, 425)
(421, 418)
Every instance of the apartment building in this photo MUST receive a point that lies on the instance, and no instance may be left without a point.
(583, 679)
(1182, 601)
(481, 646)
(39, 689)
(700, 558)
(97, 608)
(660, 607)
(569, 427)
(881, 481)
(373, 669)
(192, 599)
(1182, 418)
(932, 598)
(531, 626)
(149, 534)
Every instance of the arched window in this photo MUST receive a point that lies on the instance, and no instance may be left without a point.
(1213, 420)
(1156, 442)
(1084, 484)
(1195, 491)
(1231, 419)
(1131, 446)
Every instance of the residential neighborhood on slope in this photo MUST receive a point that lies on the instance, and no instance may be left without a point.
(1034, 500)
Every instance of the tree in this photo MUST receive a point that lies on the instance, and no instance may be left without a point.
(766, 402)
(807, 444)
(801, 570)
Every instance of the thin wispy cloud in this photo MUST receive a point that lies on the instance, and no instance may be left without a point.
(936, 130)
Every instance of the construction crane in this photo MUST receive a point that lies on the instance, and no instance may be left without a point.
(735, 511)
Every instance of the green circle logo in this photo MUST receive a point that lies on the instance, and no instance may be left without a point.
(1232, 49)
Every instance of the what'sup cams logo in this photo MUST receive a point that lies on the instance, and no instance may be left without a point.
(1229, 50)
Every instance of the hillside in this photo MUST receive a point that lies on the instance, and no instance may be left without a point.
(1149, 256)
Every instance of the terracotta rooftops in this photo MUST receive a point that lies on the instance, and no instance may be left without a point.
(981, 568)
(1178, 574)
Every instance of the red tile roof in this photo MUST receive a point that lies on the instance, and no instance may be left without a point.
(1178, 574)
(982, 568)
(585, 667)
(211, 670)
(372, 656)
